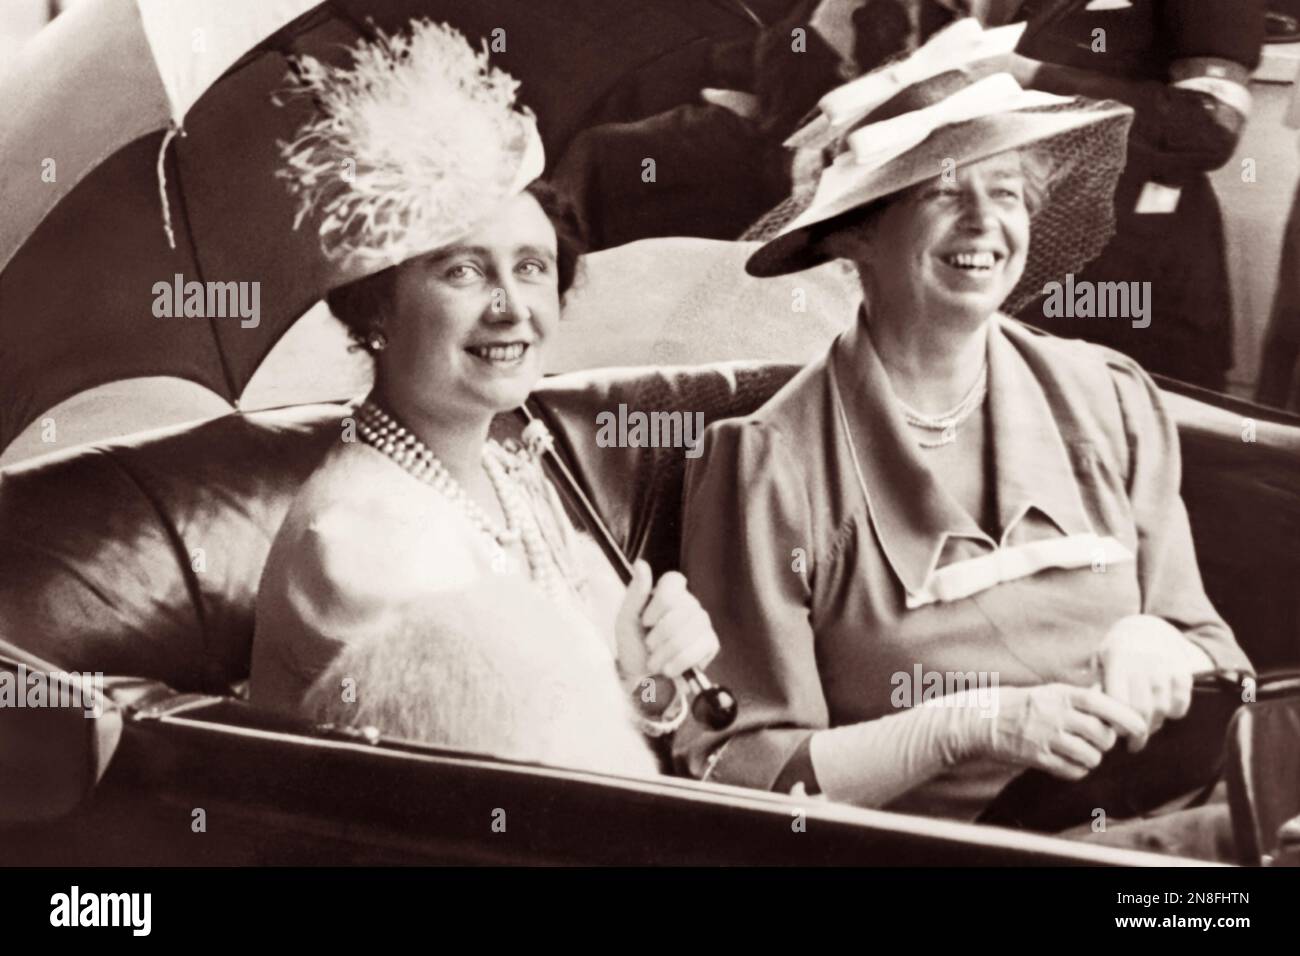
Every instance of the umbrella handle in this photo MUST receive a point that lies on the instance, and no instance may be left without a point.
(714, 706)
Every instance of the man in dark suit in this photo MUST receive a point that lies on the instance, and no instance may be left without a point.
(1279, 359)
(694, 147)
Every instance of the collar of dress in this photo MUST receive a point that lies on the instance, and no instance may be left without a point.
(911, 513)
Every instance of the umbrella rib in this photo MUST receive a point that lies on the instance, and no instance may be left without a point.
(231, 389)
(747, 9)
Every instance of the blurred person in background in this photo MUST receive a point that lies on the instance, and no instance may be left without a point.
(1281, 349)
(714, 123)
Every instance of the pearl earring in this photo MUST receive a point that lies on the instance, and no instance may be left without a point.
(376, 340)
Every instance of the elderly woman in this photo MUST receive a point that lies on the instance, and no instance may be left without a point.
(951, 549)
(426, 580)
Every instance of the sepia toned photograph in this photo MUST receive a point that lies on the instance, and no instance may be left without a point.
(650, 434)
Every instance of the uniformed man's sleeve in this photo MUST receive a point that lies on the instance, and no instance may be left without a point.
(747, 553)
(1168, 573)
(1189, 123)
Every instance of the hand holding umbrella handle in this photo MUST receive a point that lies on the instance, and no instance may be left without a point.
(713, 706)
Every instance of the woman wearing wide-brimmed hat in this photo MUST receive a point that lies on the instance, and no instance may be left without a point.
(947, 500)
(427, 580)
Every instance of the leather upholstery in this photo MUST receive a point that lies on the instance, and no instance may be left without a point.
(1263, 776)
(142, 557)
(638, 490)
(1244, 501)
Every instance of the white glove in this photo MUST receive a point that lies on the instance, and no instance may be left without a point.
(1148, 664)
(1059, 728)
(662, 628)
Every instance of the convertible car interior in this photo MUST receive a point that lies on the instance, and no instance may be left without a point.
(140, 559)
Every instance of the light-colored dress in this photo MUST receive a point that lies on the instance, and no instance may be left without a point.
(381, 604)
(838, 571)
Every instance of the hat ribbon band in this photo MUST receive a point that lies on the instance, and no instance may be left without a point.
(960, 45)
(878, 143)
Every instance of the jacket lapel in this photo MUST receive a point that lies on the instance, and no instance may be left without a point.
(911, 513)
(1033, 468)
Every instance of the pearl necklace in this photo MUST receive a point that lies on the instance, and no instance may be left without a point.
(948, 422)
(382, 431)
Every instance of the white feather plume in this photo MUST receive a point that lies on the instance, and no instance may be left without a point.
(411, 145)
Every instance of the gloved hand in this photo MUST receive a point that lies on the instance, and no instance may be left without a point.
(1148, 664)
(662, 629)
(1058, 728)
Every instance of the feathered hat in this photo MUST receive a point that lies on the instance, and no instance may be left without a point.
(941, 107)
(410, 146)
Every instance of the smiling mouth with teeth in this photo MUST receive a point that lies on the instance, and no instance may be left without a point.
(504, 354)
(973, 261)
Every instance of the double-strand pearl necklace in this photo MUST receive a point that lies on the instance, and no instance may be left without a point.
(382, 431)
(948, 422)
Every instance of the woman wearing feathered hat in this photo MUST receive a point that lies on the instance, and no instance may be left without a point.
(426, 580)
(952, 548)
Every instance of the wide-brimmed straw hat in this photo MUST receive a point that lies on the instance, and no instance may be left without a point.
(884, 139)
(408, 147)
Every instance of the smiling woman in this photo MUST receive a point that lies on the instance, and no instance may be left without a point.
(1030, 172)
(972, 480)
(426, 580)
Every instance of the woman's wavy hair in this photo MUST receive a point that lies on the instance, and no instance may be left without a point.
(358, 303)
(1039, 172)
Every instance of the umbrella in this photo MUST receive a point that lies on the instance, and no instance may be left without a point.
(159, 120)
